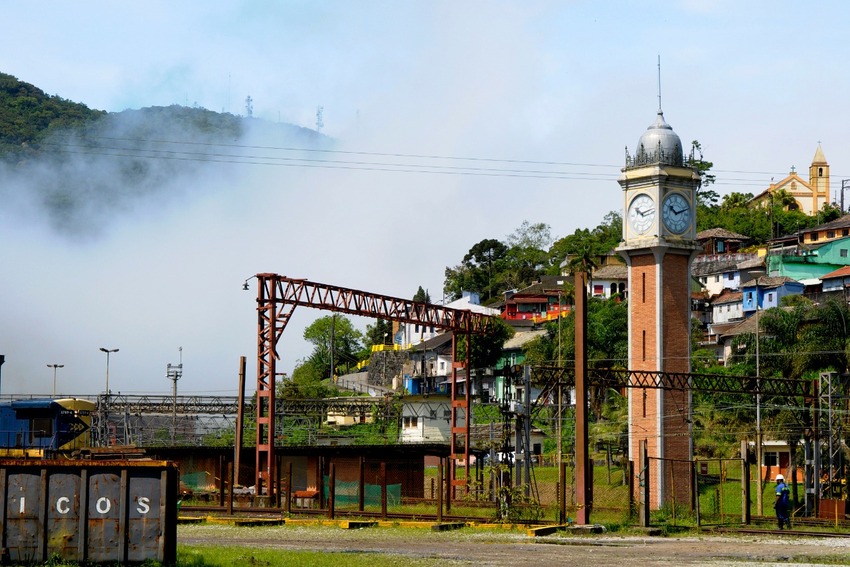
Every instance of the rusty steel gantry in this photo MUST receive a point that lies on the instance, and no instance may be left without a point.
(277, 298)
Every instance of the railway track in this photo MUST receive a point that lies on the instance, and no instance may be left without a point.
(763, 531)
(323, 513)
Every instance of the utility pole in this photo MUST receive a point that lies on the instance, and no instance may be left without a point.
(174, 372)
(845, 184)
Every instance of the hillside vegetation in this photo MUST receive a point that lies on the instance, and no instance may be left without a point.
(28, 115)
(76, 166)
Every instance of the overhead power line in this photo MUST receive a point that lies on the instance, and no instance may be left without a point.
(137, 148)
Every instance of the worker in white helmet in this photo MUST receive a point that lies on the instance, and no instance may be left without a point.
(783, 503)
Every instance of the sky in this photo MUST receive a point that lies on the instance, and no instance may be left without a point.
(453, 122)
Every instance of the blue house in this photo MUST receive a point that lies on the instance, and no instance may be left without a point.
(766, 292)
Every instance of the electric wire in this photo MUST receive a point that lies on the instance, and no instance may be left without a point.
(71, 146)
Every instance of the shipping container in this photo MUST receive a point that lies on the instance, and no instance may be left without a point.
(92, 511)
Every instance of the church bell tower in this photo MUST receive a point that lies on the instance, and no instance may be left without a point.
(659, 243)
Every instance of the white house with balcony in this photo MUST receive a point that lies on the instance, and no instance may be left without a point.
(717, 272)
(411, 334)
(727, 307)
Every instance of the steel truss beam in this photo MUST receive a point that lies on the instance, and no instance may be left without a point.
(548, 378)
(203, 415)
(229, 405)
(277, 298)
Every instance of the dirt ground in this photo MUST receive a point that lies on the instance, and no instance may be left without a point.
(494, 548)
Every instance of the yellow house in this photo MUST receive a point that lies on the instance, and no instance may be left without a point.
(809, 197)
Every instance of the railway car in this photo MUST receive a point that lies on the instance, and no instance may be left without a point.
(45, 428)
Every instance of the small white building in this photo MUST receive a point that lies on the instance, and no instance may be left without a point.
(717, 272)
(411, 334)
(427, 419)
(608, 281)
(728, 307)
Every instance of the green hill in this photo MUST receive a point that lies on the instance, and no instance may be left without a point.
(77, 166)
(28, 115)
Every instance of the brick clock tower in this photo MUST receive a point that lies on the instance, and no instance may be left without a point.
(659, 232)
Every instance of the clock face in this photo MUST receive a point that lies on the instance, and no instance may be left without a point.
(676, 213)
(641, 213)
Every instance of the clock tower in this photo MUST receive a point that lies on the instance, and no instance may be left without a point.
(659, 232)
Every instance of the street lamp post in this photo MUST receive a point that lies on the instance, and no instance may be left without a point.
(174, 372)
(104, 428)
(759, 452)
(55, 367)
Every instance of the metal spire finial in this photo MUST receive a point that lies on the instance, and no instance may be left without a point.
(659, 85)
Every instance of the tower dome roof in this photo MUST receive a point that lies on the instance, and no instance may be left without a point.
(659, 144)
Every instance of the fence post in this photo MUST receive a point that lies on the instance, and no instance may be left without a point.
(288, 505)
(331, 490)
(695, 486)
(562, 492)
(450, 463)
(230, 492)
(643, 513)
(630, 484)
(745, 484)
(440, 490)
(222, 468)
(383, 490)
(361, 485)
(277, 473)
(720, 492)
(672, 487)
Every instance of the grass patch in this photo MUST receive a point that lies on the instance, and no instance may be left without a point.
(202, 556)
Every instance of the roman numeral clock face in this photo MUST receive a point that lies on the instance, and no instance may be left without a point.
(676, 213)
(641, 213)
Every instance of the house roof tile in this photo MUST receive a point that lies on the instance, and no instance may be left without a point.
(842, 272)
(720, 233)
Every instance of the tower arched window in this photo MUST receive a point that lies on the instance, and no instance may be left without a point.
(820, 172)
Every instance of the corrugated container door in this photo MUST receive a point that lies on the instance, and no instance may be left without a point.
(23, 529)
(63, 515)
(146, 522)
(104, 516)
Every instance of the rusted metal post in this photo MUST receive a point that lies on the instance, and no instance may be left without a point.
(270, 323)
(320, 481)
(222, 473)
(383, 490)
(288, 505)
(745, 483)
(240, 420)
(230, 492)
(672, 488)
(277, 491)
(696, 492)
(361, 485)
(630, 482)
(562, 492)
(450, 465)
(584, 482)
(331, 491)
(693, 486)
(720, 489)
(440, 490)
(644, 484)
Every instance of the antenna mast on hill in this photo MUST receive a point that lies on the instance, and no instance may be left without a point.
(319, 122)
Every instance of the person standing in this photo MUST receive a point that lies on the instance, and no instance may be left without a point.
(783, 502)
